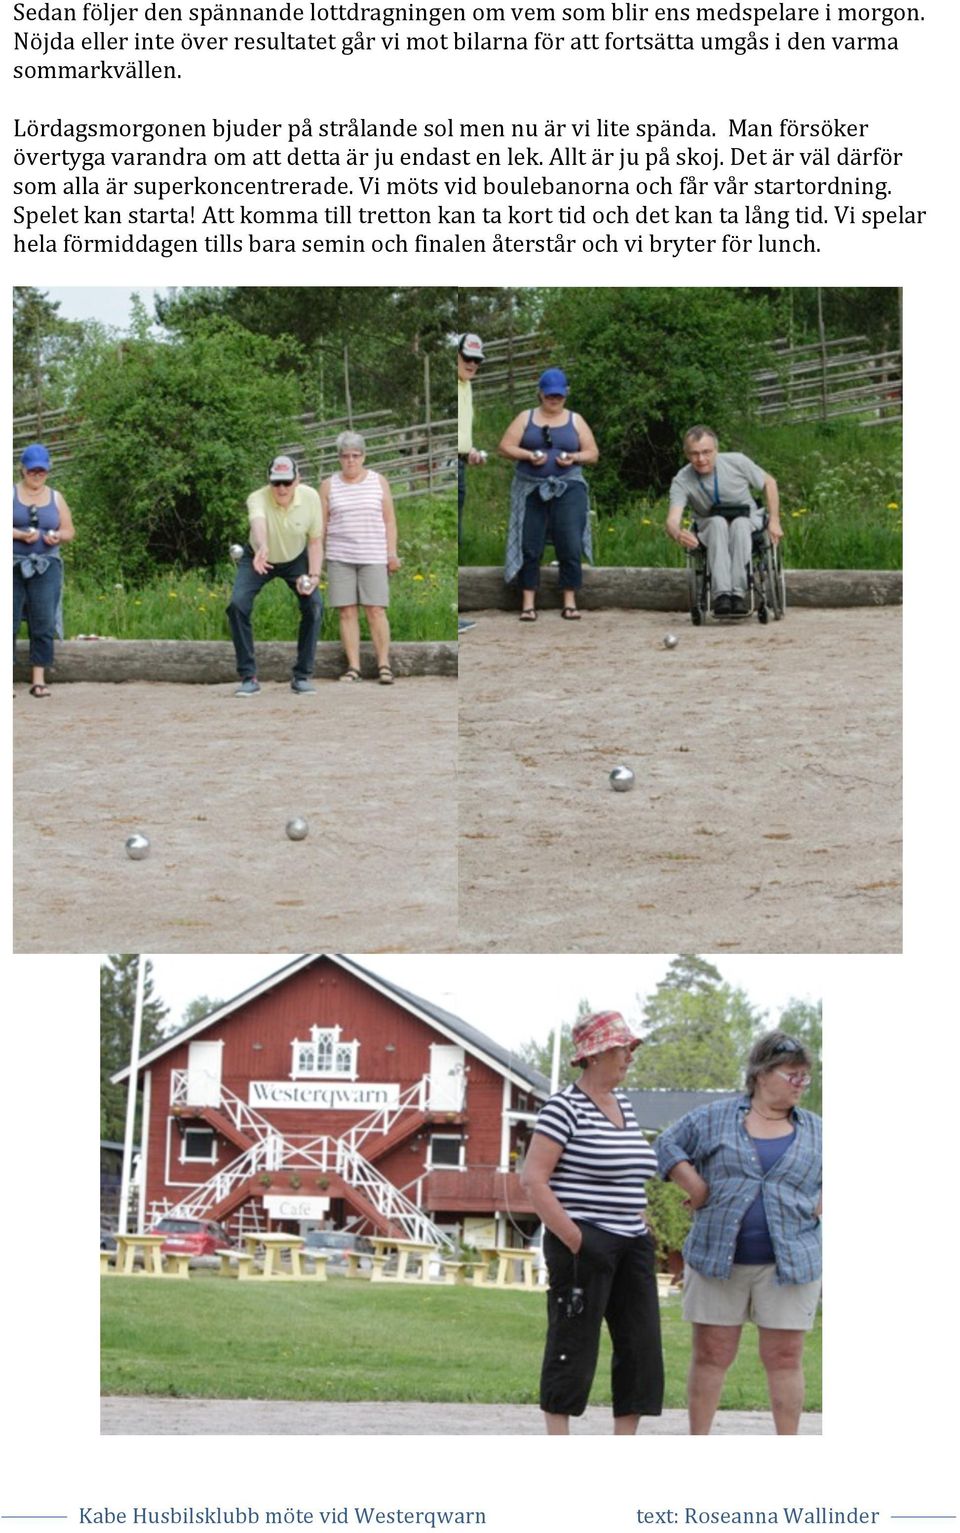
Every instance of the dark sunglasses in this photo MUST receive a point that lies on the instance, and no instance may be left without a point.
(34, 517)
(547, 435)
(790, 1046)
(282, 484)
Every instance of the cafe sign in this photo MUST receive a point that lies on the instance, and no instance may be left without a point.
(315, 1096)
(290, 1206)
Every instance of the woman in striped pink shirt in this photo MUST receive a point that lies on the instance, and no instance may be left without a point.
(361, 551)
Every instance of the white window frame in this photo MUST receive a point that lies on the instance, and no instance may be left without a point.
(198, 1160)
(306, 1052)
(445, 1165)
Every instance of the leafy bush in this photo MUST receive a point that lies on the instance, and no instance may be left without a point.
(176, 433)
(670, 1219)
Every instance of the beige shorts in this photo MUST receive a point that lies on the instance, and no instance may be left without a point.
(350, 584)
(750, 1293)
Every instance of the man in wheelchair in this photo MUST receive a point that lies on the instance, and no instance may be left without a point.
(716, 488)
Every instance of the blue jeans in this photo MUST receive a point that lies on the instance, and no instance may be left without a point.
(247, 586)
(564, 519)
(37, 599)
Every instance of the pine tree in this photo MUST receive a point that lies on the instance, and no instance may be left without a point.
(118, 989)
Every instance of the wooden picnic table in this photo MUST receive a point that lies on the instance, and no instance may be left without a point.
(274, 1247)
(149, 1245)
(406, 1251)
(503, 1259)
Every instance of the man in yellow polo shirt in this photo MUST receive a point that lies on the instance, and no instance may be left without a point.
(286, 540)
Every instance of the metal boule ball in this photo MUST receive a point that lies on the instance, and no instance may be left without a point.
(621, 779)
(297, 828)
(137, 846)
(236, 552)
(670, 641)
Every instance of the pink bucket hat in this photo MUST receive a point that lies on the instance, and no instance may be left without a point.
(604, 1030)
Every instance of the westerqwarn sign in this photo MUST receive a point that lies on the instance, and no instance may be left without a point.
(308, 1094)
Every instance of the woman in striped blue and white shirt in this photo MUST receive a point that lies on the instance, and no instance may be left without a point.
(585, 1172)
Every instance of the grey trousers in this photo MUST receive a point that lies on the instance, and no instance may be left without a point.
(729, 546)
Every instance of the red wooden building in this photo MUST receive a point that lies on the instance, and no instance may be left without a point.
(327, 1095)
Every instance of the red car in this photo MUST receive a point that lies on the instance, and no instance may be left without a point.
(195, 1237)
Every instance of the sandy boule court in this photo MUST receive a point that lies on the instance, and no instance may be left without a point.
(766, 815)
(127, 1415)
(212, 780)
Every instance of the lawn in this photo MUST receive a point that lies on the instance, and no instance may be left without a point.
(343, 1340)
(178, 604)
(840, 488)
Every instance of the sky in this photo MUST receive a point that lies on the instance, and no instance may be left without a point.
(109, 305)
(511, 997)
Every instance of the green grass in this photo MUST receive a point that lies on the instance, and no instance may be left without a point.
(345, 1340)
(178, 604)
(840, 489)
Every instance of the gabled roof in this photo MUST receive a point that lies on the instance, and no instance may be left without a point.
(475, 1042)
(658, 1108)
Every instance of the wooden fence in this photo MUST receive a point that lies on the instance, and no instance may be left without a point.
(821, 381)
(417, 459)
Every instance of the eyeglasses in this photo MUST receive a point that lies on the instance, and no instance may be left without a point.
(793, 1078)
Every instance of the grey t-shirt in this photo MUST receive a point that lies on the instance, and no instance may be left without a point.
(736, 476)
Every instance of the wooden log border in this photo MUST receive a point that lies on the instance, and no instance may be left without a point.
(212, 661)
(665, 590)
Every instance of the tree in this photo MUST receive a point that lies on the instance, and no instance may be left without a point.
(118, 989)
(175, 435)
(698, 1031)
(647, 363)
(44, 343)
(387, 332)
(202, 1006)
(803, 1020)
(540, 1055)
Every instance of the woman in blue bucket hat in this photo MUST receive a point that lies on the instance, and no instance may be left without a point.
(41, 523)
(549, 446)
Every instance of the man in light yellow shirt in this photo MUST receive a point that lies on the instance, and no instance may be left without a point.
(286, 541)
(469, 357)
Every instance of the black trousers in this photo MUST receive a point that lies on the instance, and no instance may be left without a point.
(616, 1274)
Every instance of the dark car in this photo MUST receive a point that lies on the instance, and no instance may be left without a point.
(335, 1245)
(108, 1238)
(198, 1238)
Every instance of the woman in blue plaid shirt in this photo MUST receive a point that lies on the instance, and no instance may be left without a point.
(752, 1172)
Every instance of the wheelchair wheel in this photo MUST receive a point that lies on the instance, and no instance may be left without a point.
(774, 585)
(696, 589)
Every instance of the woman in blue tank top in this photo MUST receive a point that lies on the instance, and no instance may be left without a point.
(548, 445)
(41, 522)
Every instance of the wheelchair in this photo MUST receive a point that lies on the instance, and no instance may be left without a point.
(766, 585)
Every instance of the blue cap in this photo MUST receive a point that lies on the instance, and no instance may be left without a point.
(553, 381)
(35, 456)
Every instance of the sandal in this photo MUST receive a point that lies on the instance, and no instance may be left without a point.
(350, 674)
(385, 676)
(39, 689)
(571, 614)
(528, 615)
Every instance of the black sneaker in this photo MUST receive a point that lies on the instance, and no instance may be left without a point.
(723, 606)
(738, 606)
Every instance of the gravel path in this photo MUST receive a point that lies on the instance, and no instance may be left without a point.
(212, 780)
(766, 813)
(129, 1415)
